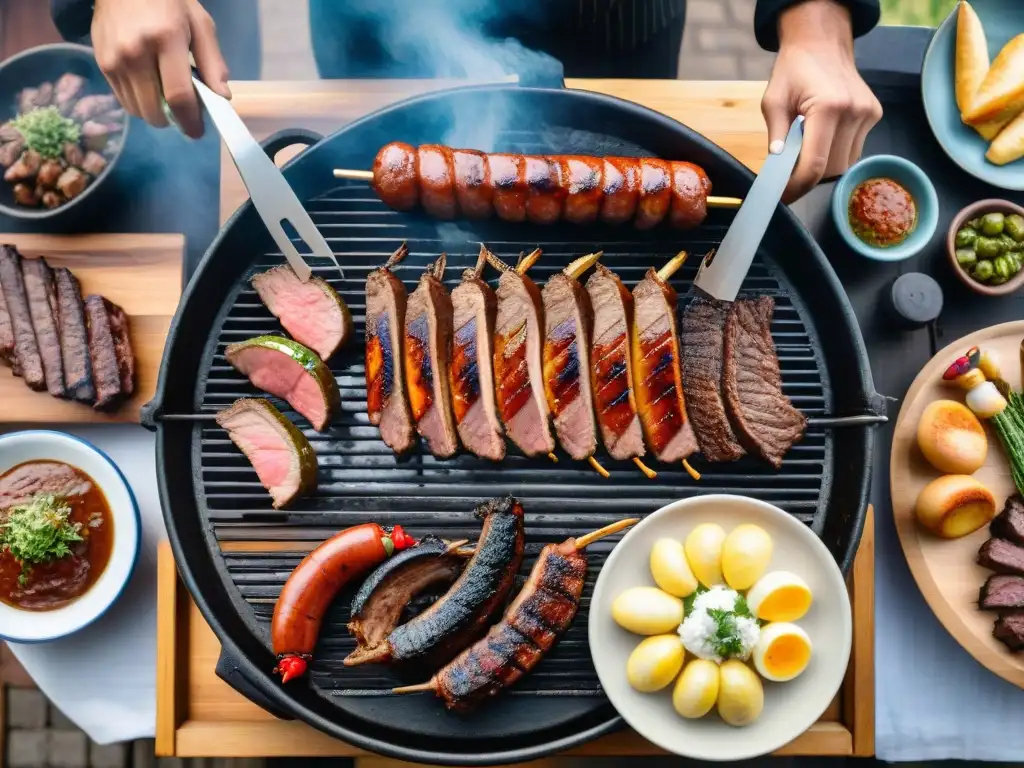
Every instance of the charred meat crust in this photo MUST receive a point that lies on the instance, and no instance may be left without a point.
(386, 400)
(42, 301)
(26, 349)
(74, 338)
(110, 352)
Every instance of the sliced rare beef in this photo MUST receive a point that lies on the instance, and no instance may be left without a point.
(386, 402)
(428, 343)
(122, 347)
(1002, 556)
(567, 321)
(766, 422)
(1009, 629)
(41, 477)
(471, 374)
(703, 341)
(518, 365)
(657, 377)
(41, 291)
(106, 351)
(611, 367)
(74, 338)
(1002, 591)
(26, 350)
(1009, 524)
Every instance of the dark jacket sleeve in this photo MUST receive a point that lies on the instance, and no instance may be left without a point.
(864, 13)
(73, 18)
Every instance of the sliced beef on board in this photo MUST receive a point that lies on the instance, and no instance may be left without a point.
(386, 400)
(1002, 556)
(765, 421)
(26, 350)
(1002, 591)
(41, 291)
(1009, 524)
(1009, 629)
(74, 338)
(703, 340)
(113, 365)
(6, 333)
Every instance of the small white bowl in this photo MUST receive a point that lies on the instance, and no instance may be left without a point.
(789, 708)
(18, 626)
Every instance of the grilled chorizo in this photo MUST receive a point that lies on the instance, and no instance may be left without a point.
(314, 583)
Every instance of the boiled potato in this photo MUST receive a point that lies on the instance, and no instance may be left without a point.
(955, 505)
(647, 611)
(952, 438)
(746, 553)
(740, 694)
(697, 689)
(654, 663)
(670, 570)
(704, 552)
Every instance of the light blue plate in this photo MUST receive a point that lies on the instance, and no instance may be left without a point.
(1002, 20)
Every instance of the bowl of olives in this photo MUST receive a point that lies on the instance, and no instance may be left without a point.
(986, 246)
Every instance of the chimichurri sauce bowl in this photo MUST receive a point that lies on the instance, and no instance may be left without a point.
(69, 535)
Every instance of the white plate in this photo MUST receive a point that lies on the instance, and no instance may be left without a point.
(789, 708)
(41, 445)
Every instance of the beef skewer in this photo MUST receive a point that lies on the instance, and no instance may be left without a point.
(542, 189)
(471, 374)
(428, 341)
(544, 609)
(658, 378)
(612, 370)
(567, 320)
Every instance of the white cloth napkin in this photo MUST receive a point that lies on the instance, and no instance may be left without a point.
(103, 678)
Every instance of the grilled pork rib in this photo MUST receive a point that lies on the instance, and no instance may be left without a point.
(518, 367)
(610, 365)
(703, 331)
(658, 380)
(386, 401)
(766, 422)
(471, 374)
(428, 341)
(567, 319)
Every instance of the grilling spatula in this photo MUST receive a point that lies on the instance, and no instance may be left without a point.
(723, 271)
(274, 199)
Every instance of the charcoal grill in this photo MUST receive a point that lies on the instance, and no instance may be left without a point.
(219, 518)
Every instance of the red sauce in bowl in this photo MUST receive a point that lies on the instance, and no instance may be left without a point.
(882, 212)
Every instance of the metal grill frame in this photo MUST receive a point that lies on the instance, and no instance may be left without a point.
(243, 628)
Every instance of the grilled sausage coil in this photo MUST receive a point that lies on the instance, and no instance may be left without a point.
(542, 189)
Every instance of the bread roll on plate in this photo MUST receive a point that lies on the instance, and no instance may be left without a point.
(1009, 144)
(1001, 94)
(971, 55)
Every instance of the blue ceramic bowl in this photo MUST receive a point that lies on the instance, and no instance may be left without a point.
(1002, 20)
(911, 177)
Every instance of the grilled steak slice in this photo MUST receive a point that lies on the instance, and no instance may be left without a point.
(6, 333)
(567, 319)
(658, 380)
(471, 374)
(703, 350)
(27, 360)
(1001, 591)
(611, 367)
(378, 605)
(1009, 524)
(428, 343)
(110, 352)
(1002, 556)
(312, 312)
(1009, 629)
(386, 401)
(74, 338)
(42, 477)
(462, 614)
(518, 366)
(766, 422)
(544, 609)
(41, 291)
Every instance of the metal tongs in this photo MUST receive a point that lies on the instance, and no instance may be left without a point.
(274, 199)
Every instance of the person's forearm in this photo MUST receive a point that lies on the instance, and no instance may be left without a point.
(72, 18)
(809, 24)
(860, 17)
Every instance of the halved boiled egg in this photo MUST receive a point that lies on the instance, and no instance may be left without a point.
(782, 652)
(779, 596)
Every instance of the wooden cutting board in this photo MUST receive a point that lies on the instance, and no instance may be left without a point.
(139, 272)
(728, 113)
(199, 715)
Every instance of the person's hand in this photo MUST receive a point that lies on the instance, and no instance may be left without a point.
(142, 47)
(815, 76)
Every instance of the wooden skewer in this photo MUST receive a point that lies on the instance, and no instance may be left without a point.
(672, 266)
(585, 541)
(418, 688)
(651, 474)
(714, 201)
(554, 459)
(598, 468)
(693, 472)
